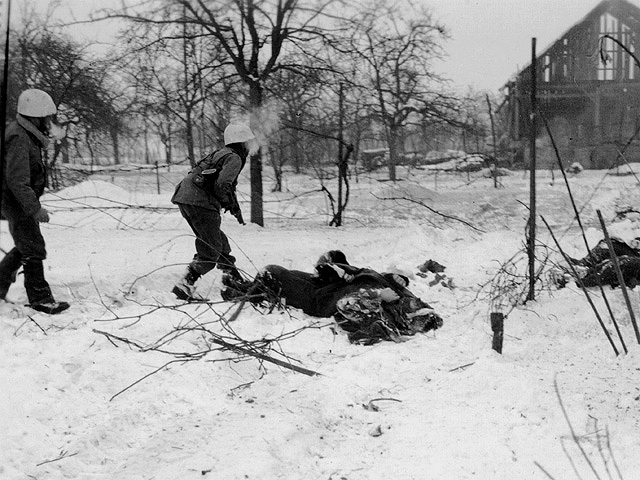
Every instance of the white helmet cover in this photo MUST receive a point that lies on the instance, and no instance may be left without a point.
(36, 103)
(237, 133)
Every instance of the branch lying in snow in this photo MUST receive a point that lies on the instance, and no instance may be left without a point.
(431, 209)
(63, 454)
(248, 349)
(243, 349)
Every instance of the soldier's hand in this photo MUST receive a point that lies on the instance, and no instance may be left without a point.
(238, 215)
(41, 216)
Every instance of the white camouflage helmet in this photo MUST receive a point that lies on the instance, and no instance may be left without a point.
(36, 103)
(237, 133)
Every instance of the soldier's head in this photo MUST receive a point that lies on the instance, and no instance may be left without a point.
(240, 137)
(332, 256)
(37, 107)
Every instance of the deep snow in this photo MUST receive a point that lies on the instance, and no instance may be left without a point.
(557, 404)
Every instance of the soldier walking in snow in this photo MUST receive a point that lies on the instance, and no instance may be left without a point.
(24, 182)
(209, 187)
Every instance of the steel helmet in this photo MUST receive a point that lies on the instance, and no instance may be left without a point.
(36, 103)
(237, 133)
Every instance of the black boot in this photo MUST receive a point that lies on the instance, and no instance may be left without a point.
(38, 290)
(185, 289)
(234, 288)
(227, 263)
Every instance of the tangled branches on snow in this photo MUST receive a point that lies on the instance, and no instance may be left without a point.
(208, 336)
(509, 286)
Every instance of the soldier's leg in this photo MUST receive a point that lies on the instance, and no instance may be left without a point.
(8, 270)
(205, 224)
(29, 241)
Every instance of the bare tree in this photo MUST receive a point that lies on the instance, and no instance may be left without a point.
(253, 34)
(395, 45)
(78, 82)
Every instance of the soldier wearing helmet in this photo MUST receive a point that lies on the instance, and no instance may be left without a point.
(209, 187)
(24, 182)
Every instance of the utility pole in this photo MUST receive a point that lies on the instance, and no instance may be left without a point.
(531, 244)
(3, 97)
(340, 153)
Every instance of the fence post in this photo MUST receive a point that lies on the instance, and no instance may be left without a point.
(497, 327)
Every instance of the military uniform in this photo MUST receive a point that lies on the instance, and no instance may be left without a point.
(208, 188)
(24, 182)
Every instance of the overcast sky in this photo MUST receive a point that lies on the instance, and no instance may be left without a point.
(490, 39)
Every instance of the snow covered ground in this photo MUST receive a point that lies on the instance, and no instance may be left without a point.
(557, 404)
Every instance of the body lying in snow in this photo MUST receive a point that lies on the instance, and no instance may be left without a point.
(597, 267)
(371, 306)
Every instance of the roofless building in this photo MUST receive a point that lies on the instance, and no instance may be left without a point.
(588, 89)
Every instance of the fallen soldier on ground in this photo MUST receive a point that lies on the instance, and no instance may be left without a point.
(597, 267)
(370, 306)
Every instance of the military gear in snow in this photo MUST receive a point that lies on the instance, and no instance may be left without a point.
(597, 268)
(369, 319)
(369, 305)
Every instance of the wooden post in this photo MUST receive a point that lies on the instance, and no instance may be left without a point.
(623, 286)
(497, 327)
(158, 177)
(531, 244)
(494, 172)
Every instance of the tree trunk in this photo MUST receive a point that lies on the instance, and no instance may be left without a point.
(65, 150)
(115, 141)
(257, 214)
(392, 141)
(189, 134)
(168, 147)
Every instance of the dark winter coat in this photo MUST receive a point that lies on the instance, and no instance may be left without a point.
(25, 174)
(211, 184)
(600, 252)
(317, 294)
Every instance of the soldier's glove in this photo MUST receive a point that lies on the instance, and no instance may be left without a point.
(41, 216)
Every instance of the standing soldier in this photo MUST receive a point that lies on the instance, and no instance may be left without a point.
(209, 187)
(24, 182)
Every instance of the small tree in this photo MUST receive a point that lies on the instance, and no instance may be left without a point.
(395, 47)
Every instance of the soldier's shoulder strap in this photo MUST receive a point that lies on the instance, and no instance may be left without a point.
(212, 159)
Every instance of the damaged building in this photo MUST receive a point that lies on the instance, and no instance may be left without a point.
(588, 90)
